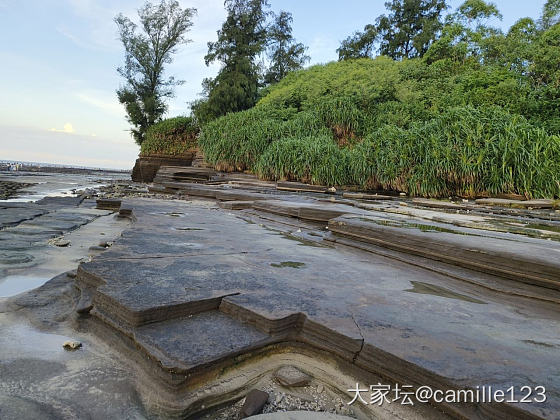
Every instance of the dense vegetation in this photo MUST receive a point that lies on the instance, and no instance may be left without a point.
(474, 112)
(171, 137)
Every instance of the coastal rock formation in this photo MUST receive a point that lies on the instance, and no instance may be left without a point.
(146, 167)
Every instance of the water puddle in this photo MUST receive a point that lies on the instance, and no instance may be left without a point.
(430, 289)
(18, 341)
(16, 284)
(291, 264)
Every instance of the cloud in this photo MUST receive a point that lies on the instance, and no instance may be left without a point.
(66, 129)
(103, 101)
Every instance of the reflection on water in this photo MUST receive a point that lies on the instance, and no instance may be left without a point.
(16, 284)
(19, 341)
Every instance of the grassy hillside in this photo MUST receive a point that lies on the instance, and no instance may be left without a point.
(430, 129)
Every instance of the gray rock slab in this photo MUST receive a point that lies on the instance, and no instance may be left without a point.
(415, 325)
(197, 339)
(524, 259)
(11, 216)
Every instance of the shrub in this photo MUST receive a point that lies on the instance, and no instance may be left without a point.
(173, 136)
(313, 159)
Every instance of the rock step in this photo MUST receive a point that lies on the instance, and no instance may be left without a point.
(310, 211)
(535, 204)
(184, 343)
(529, 261)
(300, 187)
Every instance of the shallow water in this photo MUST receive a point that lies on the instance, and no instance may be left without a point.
(16, 284)
(55, 184)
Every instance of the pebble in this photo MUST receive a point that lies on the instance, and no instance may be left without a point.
(320, 389)
(61, 243)
(254, 403)
(72, 345)
(290, 376)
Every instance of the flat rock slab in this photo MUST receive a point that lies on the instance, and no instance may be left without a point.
(197, 339)
(12, 215)
(527, 260)
(235, 205)
(411, 324)
(364, 196)
(229, 195)
(535, 204)
(108, 204)
(298, 186)
(61, 201)
(311, 211)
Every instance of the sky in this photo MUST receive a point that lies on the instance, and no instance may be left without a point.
(58, 61)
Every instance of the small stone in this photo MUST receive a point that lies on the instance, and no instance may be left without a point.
(61, 242)
(402, 194)
(320, 389)
(332, 190)
(289, 376)
(254, 403)
(72, 345)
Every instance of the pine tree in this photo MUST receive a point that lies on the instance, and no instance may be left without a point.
(285, 53)
(163, 27)
(241, 40)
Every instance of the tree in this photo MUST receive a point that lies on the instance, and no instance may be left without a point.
(466, 35)
(163, 28)
(550, 14)
(359, 45)
(241, 40)
(285, 53)
(410, 28)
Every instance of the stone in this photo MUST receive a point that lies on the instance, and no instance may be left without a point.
(72, 345)
(61, 243)
(320, 389)
(108, 204)
(290, 376)
(254, 403)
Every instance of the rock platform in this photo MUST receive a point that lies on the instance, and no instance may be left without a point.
(203, 298)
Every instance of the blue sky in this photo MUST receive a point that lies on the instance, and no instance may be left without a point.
(58, 62)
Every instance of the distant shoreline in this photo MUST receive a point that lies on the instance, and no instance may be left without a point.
(54, 168)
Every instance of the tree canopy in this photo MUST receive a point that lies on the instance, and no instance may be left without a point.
(149, 46)
(241, 39)
(285, 53)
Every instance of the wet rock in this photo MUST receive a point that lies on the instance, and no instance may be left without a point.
(72, 345)
(97, 248)
(290, 376)
(254, 403)
(85, 305)
(61, 243)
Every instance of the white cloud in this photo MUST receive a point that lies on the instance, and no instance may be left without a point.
(66, 129)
